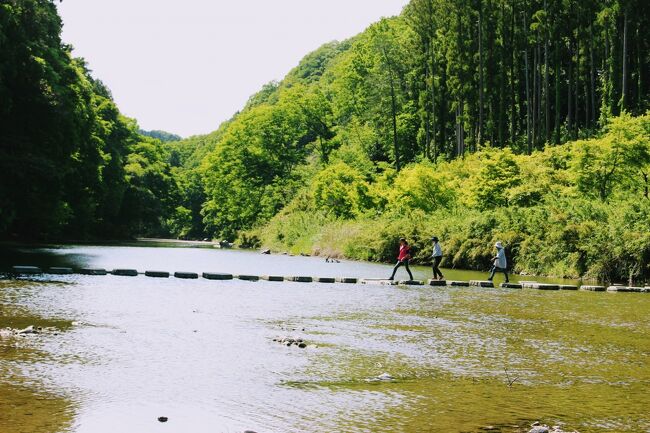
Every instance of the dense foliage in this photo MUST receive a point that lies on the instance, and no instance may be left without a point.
(518, 120)
(422, 124)
(70, 164)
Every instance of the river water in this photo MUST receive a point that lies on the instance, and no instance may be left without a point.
(119, 352)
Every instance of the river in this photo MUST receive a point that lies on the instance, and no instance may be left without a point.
(119, 352)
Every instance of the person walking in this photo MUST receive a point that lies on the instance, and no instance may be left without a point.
(437, 257)
(499, 262)
(403, 258)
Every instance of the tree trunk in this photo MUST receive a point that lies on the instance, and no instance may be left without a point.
(557, 93)
(427, 116)
(535, 97)
(569, 117)
(592, 70)
(624, 83)
(480, 74)
(393, 106)
(434, 137)
(547, 105)
(513, 115)
(528, 136)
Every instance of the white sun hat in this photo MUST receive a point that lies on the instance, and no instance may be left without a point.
(498, 245)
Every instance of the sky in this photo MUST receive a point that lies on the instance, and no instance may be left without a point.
(186, 66)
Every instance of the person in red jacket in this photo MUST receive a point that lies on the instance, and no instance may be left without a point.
(403, 258)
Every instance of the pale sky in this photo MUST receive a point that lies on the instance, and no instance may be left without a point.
(186, 66)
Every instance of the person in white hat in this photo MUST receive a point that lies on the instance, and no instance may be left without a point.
(499, 262)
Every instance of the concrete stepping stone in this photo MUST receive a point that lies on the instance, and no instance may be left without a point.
(272, 277)
(481, 283)
(347, 280)
(625, 289)
(458, 283)
(327, 280)
(93, 271)
(26, 270)
(60, 271)
(528, 284)
(248, 277)
(544, 286)
(568, 287)
(593, 288)
(300, 279)
(186, 275)
(437, 282)
(378, 282)
(510, 286)
(217, 276)
(125, 272)
(411, 283)
(157, 274)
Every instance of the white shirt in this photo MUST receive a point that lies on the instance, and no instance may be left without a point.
(500, 261)
(437, 251)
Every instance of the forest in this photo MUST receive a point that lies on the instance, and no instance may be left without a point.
(524, 121)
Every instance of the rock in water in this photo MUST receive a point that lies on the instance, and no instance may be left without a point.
(29, 330)
(162, 418)
(539, 429)
(385, 376)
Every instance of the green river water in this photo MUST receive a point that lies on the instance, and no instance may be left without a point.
(118, 352)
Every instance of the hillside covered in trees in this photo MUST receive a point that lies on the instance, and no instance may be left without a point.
(518, 120)
(71, 166)
(449, 119)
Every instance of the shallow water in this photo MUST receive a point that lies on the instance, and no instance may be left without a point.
(131, 349)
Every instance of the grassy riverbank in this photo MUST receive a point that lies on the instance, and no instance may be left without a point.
(576, 210)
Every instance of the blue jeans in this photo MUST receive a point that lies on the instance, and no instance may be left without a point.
(495, 269)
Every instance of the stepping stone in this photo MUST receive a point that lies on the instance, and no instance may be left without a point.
(186, 275)
(60, 271)
(411, 283)
(273, 277)
(625, 289)
(437, 282)
(248, 277)
(458, 283)
(347, 280)
(543, 286)
(93, 271)
(593, 288)
(510, 285)
(156, 274)
(568, 287)
(301, 279)
(125, 272)
(327, 280)
(481, 283)
(378, 282)
(28, 270)
(217, 276)
(528, 284)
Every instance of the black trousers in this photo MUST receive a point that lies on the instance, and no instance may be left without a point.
(497, 269)
(436, 269)
(404, 263)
